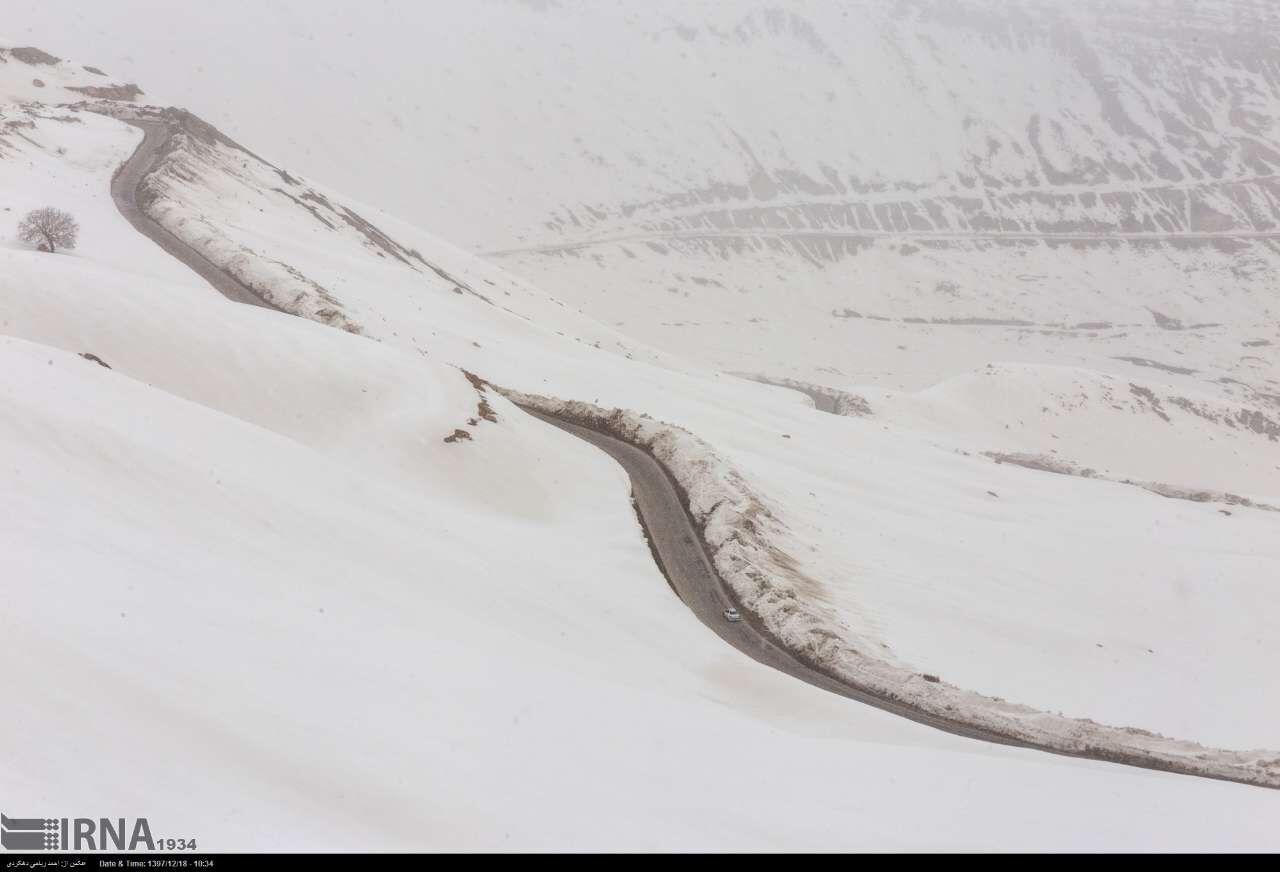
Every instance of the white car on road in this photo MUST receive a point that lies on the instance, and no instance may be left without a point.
(732, 615)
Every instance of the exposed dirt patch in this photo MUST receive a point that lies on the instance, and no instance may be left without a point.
(1164, 322)
(1200, 496)
(128, 92)
(93, 357)
(1147, 395)
(983, 322)
(1259, 423)
(1043, 463)
(1252, 420)
(483, 409)
(1142, 361)
(34, 56)
(315, 213)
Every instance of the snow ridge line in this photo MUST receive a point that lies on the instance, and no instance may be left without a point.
(736, 526)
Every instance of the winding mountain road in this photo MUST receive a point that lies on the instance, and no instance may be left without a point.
(125, 185)
(673, 537)
(683, 559)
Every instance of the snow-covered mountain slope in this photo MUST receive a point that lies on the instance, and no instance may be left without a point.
(322, 651)
(1156, 614)
(34, 75)
(841, 193)
(241, 551)
(1099, 424)
(905, 314)
(391, 282)
(880, 115)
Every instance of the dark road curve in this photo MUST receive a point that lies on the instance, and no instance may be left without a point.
(679, 551)
(681, 555)
(124, 191)
(674, 538)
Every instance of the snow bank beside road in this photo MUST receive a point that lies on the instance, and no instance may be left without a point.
(741, 534)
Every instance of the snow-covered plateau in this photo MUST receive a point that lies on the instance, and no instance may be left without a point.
(309, 580)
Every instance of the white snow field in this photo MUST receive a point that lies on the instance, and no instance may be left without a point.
(254, 593)
(263, 646)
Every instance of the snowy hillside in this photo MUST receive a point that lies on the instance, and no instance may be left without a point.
(34, 75)
(1102, 425)
(574, 116)
(885, 193)
(318, 649)
(338, 579)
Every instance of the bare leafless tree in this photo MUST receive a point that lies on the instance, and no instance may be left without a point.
(49, 228)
